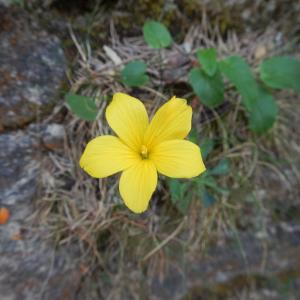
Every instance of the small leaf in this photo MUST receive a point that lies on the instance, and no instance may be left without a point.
(207, 199)
(184, 204)
(281, 72)
(209, 89)
(208, 60)
(206, 147)
(82, 106)
(133, 73)
(179, 197)
(156, 35)
(209, 181)
(175, 190)
(239, 73)
(263, 112)
(222, 168)
(260, 105)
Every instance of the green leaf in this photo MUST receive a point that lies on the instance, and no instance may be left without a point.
(208, 60)
(82, 106)
(179, 197)
(239, 73)
(193, 136)
(209, 181)
(281, 72)
(133, 73)
(209, 89)
(222, 168)
(206, 147)
(175, 190)
(156, 35)
(208, 199)
(263, 112)
(184, 204)
(204, 179)
(260, 105)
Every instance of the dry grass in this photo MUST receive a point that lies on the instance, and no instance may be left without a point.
(120, 252)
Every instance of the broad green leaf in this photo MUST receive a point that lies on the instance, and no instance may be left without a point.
(209, 89)
(207, 199)
(208, 60)
(281, 72)
(156, 35)
(82, 106)
(260, 105)
(206, 147)
(222, 168)
(133, 74)
(239, 73)
(263, 113)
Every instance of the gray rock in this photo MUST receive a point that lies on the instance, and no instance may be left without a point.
(31, 269)
(233, 265)
(5, 2)
(19, 169)
(32, 67)
(54, 136)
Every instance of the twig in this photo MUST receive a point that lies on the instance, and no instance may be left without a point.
(166, 241)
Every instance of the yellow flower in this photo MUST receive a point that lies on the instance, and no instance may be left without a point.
(141, 149)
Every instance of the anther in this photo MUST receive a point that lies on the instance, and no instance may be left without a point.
(144, 152)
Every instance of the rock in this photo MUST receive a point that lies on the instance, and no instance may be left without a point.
(53, 136)
(19, 169)
(232, 265)
(5, 2)
(31, 269)
(21, 154)
(32, 67)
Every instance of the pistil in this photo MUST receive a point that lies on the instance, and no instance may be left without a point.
(144, 152)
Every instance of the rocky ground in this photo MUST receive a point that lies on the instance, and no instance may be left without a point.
(32, 71)
(263, 264)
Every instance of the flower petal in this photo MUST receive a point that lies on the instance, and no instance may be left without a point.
(178, 159)
(137, 185)
(106, 155)
(171, 121)
(128, 118)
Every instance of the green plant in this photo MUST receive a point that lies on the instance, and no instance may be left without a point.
(156, 35)
(262, 110)
(134, 74)
(281, 72)
(204, 187)
(259, 103)
(82, 106)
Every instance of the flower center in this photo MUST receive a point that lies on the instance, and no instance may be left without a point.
(144, 152)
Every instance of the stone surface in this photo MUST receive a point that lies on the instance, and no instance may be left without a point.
(21, 153)
(53, 136)
(32, 67)
(236, 264)
(19, 169)
(31, 269)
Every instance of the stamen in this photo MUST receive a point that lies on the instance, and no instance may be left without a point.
(144, 152)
